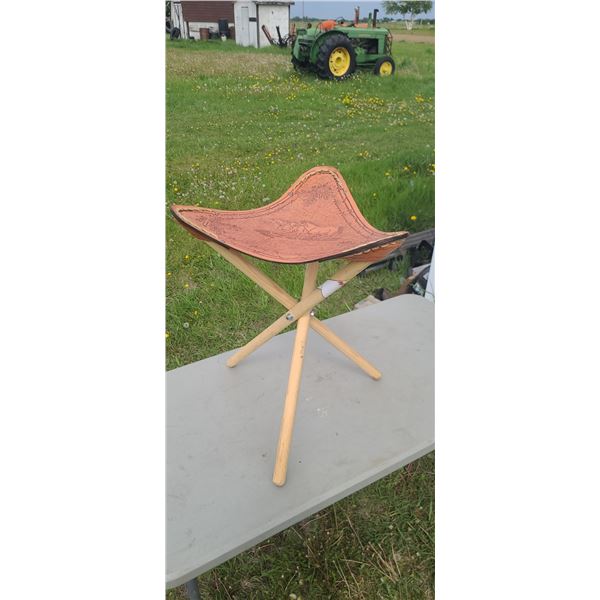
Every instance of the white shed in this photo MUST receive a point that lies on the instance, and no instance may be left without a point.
(272, 14)
(245, 18)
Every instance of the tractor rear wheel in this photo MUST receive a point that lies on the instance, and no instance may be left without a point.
(336, 58)
(385, 66)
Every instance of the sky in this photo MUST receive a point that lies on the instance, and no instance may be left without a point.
(334, 9)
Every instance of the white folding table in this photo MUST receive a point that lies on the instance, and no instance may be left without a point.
(222, 428)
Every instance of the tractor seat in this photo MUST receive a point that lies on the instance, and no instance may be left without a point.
(315, 220)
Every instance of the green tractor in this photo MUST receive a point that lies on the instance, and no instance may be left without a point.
(335, 49)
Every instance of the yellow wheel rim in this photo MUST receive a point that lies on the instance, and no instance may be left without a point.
(385, 68)
(339, 61)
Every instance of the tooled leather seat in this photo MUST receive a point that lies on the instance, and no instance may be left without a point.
(316, 219)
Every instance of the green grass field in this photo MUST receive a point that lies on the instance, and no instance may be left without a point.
(241, 127)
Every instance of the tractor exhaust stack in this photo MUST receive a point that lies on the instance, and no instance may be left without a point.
(375, 17)
(356, 16)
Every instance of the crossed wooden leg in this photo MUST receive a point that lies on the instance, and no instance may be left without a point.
(340, 278)
(277, 292)
(291, 396)
(297, 311)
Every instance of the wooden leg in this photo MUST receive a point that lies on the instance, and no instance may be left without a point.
(339, 279)
(291, 397)
(345, 349)
(277, 292)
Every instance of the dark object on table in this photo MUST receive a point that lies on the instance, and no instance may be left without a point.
(418, 247)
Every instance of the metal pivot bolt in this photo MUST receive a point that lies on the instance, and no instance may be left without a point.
(312, 312)
(289, 317)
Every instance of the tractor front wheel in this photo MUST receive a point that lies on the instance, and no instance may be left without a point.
(299, 67)
(336, 58)
(385, 66)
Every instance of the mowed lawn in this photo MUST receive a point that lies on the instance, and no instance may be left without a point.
(242, 126)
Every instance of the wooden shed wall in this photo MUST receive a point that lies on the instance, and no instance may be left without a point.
(207, 11)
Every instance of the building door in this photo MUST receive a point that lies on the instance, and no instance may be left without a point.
(244, 38)
(271, 16)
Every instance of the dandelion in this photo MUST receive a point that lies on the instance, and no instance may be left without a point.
(186, 285)
(413, 217)
(169, 274)
(387, 174)
(186, 257)
(167, 335)
(186, 325)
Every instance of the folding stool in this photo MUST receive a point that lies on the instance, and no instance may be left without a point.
(315, 220)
